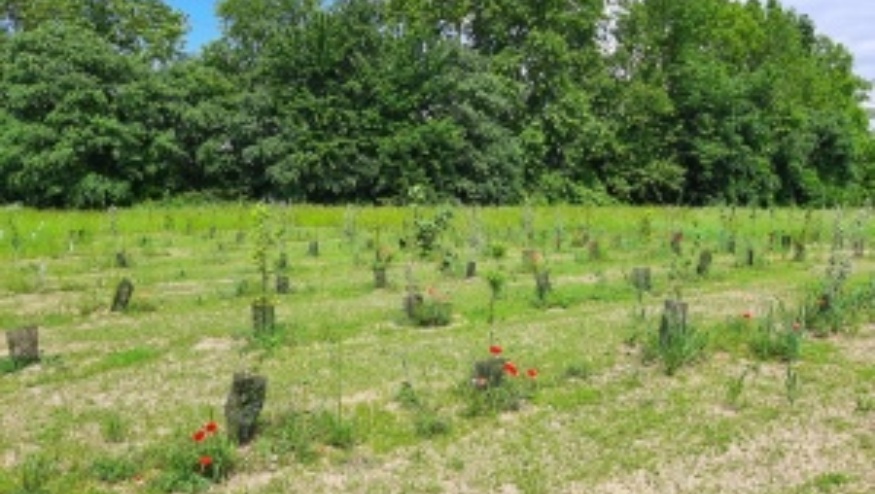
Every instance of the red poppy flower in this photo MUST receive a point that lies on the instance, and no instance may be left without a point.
(532, 373)
(199, 435)
(495, 350)
(511, 369)
(205, 461)
(211, 427)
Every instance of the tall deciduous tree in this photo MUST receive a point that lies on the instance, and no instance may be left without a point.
(756, 107)
(692, 101)
(68, 141)
(148, 28)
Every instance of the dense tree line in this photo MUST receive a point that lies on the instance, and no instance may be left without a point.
(484, 101)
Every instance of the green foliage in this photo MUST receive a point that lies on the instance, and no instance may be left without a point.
(677, 343)
(430, 424)
(119, 22)
(735, 387)
(741, 131)
(301, 432)
(9, 365)
(432, 308)
(830, 482)
(35, 473)
(497, 251)
(791, 383)
(496, 385)
(383, 257)
(590, 373)
(69, 142)
(828, 307)
(407, 396)
(705, 102)
(429, 231)
(490, 401)
(191, 463)
(496, 279)
(113, 427)
(114, 470)
(264, 240)
(427, 422)
(682, 349)
(581, 371)
(770, 343)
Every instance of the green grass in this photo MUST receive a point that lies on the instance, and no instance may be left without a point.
(104, 409)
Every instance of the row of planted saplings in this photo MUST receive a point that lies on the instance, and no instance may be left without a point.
(433, 310)
(436, 311)
(749, 254)
(531, 257)
(23, 343)
(243, 404)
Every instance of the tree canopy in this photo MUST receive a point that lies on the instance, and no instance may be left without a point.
(490, 102)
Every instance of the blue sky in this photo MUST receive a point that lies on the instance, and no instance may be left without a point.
(848, 22)
(202, 21)
(845, 21)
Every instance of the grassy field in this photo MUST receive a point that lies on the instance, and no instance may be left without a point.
(769, 387)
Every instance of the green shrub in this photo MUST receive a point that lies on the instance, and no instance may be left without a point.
(432, 308)
(429, 424)
(113, 470)
(429, 231)
(300, 432)
(770, 343)
(676, 344)
(193, 463)
(35, 473)
(496, 385)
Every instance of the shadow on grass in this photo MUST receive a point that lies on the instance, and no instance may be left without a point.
(9, 365)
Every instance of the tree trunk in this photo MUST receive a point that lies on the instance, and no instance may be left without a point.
(23, 345)
(263, 316)
(244, 404)
(283, 285)
(471, 269)
(674, 321)
(641, 279)
(380, 278)
(122, 295)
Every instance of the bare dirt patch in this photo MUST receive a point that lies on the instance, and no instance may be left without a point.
(858, 348)
(785, 456)
(215, 345)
